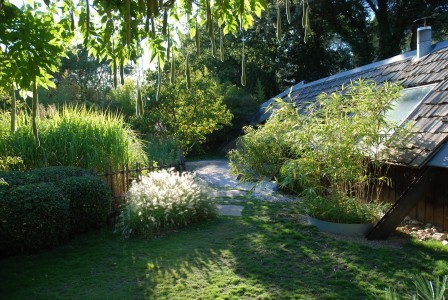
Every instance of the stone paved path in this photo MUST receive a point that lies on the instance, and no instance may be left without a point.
(217, 174)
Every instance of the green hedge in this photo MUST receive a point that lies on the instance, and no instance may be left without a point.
(90, 202)
(33, 216)
(41, 208)
(46, 174)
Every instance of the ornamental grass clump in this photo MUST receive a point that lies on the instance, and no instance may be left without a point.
(73, 136)
(165, 200)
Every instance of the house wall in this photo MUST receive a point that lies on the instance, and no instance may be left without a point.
(433, 207)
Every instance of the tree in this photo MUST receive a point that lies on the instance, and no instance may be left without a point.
(276, 64)
(184, 115)
(31, 43)
(379, 29)
(80, 78)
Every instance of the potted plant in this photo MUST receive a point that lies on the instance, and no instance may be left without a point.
(332, 151)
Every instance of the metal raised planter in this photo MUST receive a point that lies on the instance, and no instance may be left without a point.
(341, 228)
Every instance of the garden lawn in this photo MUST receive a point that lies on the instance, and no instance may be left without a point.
(266, 254)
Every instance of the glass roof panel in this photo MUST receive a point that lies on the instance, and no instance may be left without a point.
(407, 103)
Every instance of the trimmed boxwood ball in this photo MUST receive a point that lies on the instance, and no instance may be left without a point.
(33, 217)
(90, 202)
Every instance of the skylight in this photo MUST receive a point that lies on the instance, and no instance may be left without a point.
(408, 102)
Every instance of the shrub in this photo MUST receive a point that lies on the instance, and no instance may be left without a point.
(56, 173)
(165, 200)
(289, 177)
(334, 146)
(11, 163)
(90, 202)
(16, 178)
(341, 209)
(46, 174)
(32, 217)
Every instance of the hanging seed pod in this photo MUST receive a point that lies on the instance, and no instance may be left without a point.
(208, 12)
(303, 14)
(122, 71)
(173, 70)
(221, 44)
(115, 72)
(87, 16)
(139, 100)
(149, 14)
(198, 46)
(72, 21)
(307, 25)
(153, 27)
(165, 21)
(155, 8)
(168, 47)
(187, 74)
(159, 79)
(243, 70)
(34, 116)
(213, 40)
(13, 109)
(128, 21)
(241, 15)
(279, 24)
(288, 11)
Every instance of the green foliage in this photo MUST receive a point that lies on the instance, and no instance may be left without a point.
(34, 43)
(124, 98)
(161, 150)
(185, 116)
(11, 163)
(75, 136)
(242, 106)
(78, 200)
(33, 217)
(163, 201)
(333, 149)
(262, 151)
(424, 290)
(341, 209)
(90, 202)
(46, 174)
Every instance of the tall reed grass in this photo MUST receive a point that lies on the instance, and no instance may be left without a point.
(73, 136)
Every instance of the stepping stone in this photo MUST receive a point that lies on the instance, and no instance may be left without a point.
(230, 210)
(229, 193)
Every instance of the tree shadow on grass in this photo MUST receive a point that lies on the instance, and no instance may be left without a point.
(265, 254)
(268, 254)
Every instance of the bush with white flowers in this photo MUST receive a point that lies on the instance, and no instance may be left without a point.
(165, 200)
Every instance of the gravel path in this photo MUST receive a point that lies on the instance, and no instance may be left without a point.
(217, 174)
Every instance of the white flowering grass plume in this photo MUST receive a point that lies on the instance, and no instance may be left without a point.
(165, 200)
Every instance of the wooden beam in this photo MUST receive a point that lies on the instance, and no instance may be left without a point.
(396, 214)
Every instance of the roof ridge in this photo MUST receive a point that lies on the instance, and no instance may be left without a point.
(401, 57)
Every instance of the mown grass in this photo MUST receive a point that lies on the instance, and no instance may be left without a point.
(266, 254)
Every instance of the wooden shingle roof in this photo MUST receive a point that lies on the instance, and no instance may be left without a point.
(429, 120)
